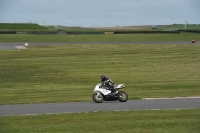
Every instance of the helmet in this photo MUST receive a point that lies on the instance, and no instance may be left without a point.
(102, 77)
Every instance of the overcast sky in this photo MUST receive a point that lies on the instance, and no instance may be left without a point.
(100, 13)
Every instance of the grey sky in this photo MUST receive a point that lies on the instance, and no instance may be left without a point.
(100, 13)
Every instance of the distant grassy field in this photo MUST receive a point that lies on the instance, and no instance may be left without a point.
(21, 27)
(130, 28)
(181, 27)
(66, 73)
(73, 29)
(163, 121)
(36, 27)
(100, 38)
(96, 29)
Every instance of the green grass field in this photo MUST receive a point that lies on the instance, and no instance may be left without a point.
(100, 38)
(66, 73)
(21, 27)
(163, 121)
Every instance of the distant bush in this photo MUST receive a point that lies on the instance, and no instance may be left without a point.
(8, 32)
(146, 32)
(194, 31)
(92, 32)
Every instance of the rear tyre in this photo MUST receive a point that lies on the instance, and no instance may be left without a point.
(97, 97)
(122, 96)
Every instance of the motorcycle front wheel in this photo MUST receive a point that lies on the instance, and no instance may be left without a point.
(122, 96)
(98, 97)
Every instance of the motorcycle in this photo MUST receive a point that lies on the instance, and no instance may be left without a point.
(102, 93)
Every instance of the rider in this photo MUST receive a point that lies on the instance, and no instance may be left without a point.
(108, 83)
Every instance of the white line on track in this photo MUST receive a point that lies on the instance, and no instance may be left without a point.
(21, 47)
(170, 98)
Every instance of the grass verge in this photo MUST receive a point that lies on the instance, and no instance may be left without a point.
(100, 38)
(66, 73)
(160, 121)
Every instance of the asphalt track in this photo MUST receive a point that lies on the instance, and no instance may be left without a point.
(74, 107)
(12, 45)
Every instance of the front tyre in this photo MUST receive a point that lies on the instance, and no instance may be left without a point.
(98, 97)
(122, 96)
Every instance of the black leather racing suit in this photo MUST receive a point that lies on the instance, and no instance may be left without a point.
(109, 84)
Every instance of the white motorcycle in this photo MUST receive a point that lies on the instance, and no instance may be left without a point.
(101, 93)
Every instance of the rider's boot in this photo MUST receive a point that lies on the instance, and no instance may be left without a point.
(112, 94)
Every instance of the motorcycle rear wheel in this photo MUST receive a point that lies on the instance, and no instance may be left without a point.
(98, 97)
(122, 96)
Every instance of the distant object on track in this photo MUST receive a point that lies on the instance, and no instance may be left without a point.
(193, 41)
(154, 27)
(59, 29)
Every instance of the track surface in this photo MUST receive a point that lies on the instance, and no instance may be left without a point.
(12, 45)
(29, 109)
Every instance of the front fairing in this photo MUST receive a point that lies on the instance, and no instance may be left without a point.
(99, 88)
